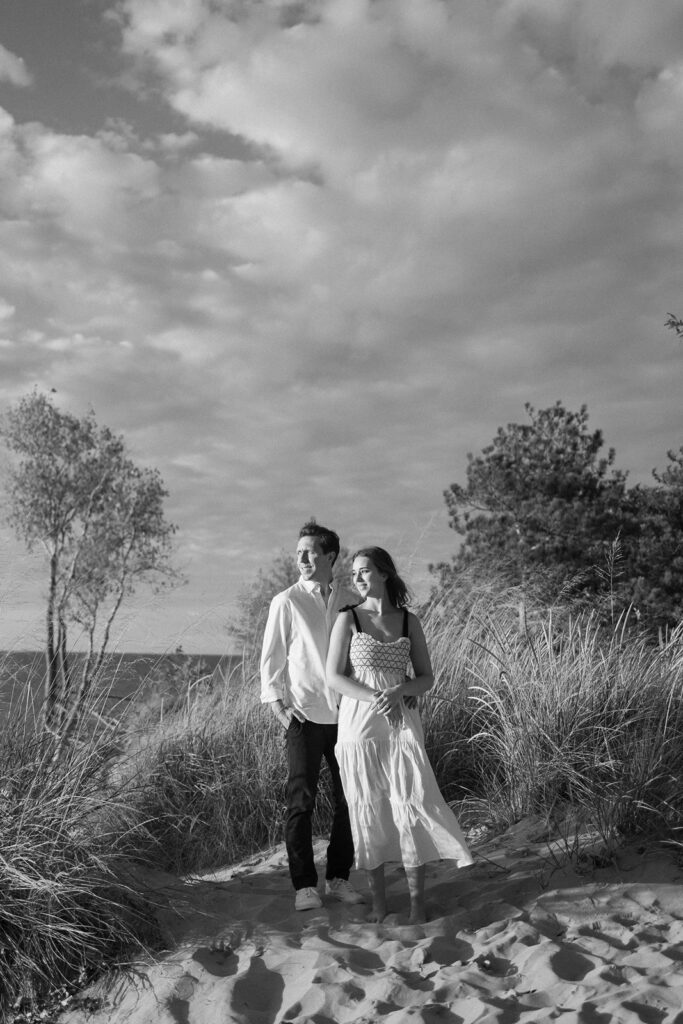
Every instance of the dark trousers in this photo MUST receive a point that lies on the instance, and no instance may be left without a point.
(307, 744)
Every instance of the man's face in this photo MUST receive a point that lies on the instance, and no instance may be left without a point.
(311, 562)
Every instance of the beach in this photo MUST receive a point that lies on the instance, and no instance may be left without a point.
(524, 934)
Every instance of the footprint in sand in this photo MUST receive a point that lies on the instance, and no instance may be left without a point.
(257, 994)
(617, 937)
(570, 965)
(495, 965)
(591, 1015)
(444, 950)
(179, 1010)
(221, 963)
(648, 1014)
(178, 1004)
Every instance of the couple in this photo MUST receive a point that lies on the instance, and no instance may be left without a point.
(333, 669)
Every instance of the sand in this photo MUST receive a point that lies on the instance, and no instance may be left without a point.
(516, 937)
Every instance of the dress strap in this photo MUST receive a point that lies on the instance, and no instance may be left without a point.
(352, 608)
(406, 631)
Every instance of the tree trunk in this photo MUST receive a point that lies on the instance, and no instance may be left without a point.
(91, 669)
(51, 662)
(74, 713)
(65, 673)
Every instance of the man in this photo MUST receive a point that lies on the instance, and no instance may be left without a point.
(293, 683)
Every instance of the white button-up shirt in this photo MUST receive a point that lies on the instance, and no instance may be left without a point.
(295, 644)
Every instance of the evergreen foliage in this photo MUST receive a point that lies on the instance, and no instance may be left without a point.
(543, 507)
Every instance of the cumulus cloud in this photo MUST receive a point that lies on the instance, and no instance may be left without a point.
(435, 212)
(80, 184)
(356, 83)
(13, 69)
(419, 144)
(607, 34)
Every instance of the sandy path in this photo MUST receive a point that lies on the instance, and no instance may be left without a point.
(511, 939)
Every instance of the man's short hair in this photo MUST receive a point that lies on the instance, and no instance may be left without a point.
(329, 540)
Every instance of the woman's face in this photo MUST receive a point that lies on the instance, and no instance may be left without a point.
(367, 579)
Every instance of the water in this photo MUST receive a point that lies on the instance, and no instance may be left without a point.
(22, 676)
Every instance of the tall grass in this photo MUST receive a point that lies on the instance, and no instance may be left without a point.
(542, 715)
(208, 778)
(533, 711)
(68, 906)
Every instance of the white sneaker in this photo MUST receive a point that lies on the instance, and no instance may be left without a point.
(340, 889)
(307, 899)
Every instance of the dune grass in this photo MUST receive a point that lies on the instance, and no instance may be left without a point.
(209, 778)
(544, 716)
(530, 714)
(539, 713)
(208, 782)
(68, 905)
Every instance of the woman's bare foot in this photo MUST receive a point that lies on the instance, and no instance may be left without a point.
(377, 913)
(379, 900)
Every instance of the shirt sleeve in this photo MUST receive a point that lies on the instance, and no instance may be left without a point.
(274, 652)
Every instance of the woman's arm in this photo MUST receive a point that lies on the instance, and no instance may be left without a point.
(419, 659)
(387, 700)
(337, 662)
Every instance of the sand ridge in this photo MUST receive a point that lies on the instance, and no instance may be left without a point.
(513, 938)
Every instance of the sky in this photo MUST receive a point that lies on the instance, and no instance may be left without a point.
(305, 256)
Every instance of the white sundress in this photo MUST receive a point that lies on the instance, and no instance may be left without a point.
(396, 808)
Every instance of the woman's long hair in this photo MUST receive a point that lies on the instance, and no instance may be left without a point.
(397, 591)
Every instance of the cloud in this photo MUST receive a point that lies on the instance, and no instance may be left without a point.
(660, 110)
(608, 34)
(429, 158)
(338, 90)
(79, 184)
(13, 69)
(435, 213)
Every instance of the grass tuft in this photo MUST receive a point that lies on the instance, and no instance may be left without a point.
(536, 718)
(67, 905)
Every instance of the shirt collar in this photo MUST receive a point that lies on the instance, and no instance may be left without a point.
(312, 585)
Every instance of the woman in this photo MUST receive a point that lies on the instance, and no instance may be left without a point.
(396, 809)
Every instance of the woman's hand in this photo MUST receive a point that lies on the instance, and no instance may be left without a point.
(395, 717)
(389, 703)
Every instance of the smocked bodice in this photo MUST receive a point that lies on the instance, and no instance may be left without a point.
(371, 656)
